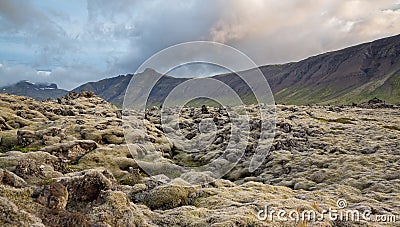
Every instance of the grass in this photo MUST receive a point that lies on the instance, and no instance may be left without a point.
(387, 89)
(24, 149)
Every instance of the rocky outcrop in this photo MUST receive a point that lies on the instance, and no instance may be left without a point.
(71, 151)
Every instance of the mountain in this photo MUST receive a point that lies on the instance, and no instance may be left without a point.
(354, 74)
(110, 89)
(38, 91)
(113, 89)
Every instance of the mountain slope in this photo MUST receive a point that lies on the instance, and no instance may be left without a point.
(350, 75)
(38, 91)
(353, 74)
(110, 89)
(113, 89)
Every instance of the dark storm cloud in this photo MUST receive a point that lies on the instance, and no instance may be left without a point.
(155, 25)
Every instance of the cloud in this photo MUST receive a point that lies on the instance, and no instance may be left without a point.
(20, 19)
(76, 74)
(12, 74)
(275, 31)
(156, 25)
(67, 77)
(82, 41)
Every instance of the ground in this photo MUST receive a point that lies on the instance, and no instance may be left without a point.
(66, 163)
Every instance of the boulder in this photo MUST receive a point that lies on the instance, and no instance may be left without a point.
(71, 151)
(11, 179)
(168, 197)
(53, 196)
(86, 188)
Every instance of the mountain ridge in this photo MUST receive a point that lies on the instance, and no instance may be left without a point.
(352, 74)
(38, 91)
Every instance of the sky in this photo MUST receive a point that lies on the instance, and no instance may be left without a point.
(70, 42)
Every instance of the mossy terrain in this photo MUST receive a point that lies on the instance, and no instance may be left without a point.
(67, 163)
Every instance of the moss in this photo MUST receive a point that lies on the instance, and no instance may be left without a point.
(20, 196)
(8, 139)
(64, 219)
(184, 159)
(167, 197)
(111, 159)
(130, 179)
(342, 120)
(47, 181)
(12, 215)
(24, 149)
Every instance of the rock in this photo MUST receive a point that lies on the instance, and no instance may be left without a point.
(35, 167)
(167, 197)
(304, 184)
(80, 122)
(4, 125)
(28, 169)
(314, 159)
(285, 127)
(71, 151)
(114, 209)
(9, 178)
(54, 196)
(65, 218)
(86, 188)
(51, 140)
(11, 215)
(93, 135)
(132, 178)
(39, 138)
(318, 176)
(370, 150)
(204, 109)
(375, 103)
(26, 137)
(112, 138)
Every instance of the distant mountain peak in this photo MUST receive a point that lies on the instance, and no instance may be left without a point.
(39, 91)
(150, 71)
(40, 85)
